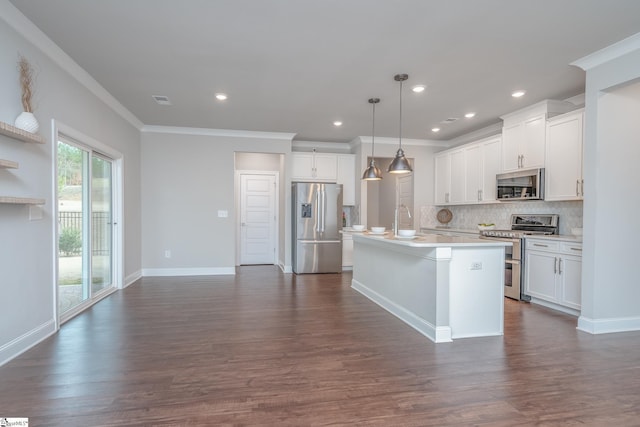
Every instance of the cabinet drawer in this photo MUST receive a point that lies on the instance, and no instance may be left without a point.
(543, 245)
(571, 248)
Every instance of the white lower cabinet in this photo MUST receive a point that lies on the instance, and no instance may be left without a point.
(553, 273)
(347, 251)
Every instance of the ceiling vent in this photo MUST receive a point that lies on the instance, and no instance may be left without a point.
(450, 120)
(162, 100)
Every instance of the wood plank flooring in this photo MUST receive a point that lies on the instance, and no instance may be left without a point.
(266, 348)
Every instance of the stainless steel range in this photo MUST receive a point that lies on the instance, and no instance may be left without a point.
(521, 225)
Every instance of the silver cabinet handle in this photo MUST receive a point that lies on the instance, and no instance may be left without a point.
(540, 245)
(446, 197)
(576, 249)
(559, 265)
(555, 265)
(582, 187)
(578, 187)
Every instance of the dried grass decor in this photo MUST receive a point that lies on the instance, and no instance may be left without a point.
(26, 83)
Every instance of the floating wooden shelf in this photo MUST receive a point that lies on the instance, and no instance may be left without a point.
(21, 200)
(19, 134)
(8, 164)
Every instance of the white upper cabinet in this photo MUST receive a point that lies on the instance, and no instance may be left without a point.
(563, 173)
(347, 177)
(443, 178)
(523, 144)
(314, 167)
(491, 164)
(458, 176)
(467, 174)
(524, 135)
(473, 170)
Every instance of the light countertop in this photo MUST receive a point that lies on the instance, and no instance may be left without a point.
(557, 237)
(431, 240)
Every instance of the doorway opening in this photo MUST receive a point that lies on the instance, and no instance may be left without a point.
(258, 207)
(385, 196)
(87, 211)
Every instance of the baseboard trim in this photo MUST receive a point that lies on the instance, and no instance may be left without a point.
(610, 325)
(26, 341)
(285, 268)
(435, 334)
(162, 272)
(556, 307)
(130, 279)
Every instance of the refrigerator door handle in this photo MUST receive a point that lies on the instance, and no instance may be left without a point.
(324, 210)
(317, 211)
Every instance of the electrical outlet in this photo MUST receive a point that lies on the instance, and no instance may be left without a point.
(223, 214)
(476, 265)
(167, 253)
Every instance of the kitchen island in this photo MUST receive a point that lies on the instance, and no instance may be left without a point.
(445, 287)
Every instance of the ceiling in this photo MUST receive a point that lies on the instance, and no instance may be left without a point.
(297, 66)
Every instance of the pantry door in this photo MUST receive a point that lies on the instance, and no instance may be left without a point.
(258, 198)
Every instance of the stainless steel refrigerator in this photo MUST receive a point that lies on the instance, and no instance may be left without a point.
(317, 221)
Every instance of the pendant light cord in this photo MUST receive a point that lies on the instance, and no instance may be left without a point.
(373, 130)
(400, 132)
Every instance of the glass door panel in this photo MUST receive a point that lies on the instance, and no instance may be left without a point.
(101, 224)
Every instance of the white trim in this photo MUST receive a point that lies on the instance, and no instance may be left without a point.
(557, 307)
(338, 147)
(487, 132)
(204, 271)
(394, 141)
(610, 325)
(27, 29)
(217, 132)
(26, 341)
(287, 269)
(435, 334)
(132, 278)
(608, 53)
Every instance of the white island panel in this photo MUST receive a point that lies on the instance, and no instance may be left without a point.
(445, 287)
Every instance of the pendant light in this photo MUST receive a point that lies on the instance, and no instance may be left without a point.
(372, 173)
(400, 164)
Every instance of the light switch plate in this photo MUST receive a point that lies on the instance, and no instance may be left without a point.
(223, 214)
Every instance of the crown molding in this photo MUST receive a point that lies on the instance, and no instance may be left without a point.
(217, 132)
(27, 29)
(342, 147)
(485, 132)
(608, 53)
(394, 141)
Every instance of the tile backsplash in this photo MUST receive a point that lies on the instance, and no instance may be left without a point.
(468, 217)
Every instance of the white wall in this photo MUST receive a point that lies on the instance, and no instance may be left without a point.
(27, 283)
(610, 291)
(187, 177)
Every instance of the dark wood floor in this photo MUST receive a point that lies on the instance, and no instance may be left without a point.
(265, 348)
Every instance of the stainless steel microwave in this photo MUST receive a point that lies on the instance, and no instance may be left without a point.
(521, 185)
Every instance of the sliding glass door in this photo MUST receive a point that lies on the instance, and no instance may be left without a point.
(85, 226)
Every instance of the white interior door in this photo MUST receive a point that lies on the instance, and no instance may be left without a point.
(257, 219)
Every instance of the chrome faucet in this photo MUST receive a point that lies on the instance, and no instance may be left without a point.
(396, 224)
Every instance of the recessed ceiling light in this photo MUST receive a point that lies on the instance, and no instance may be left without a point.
(161, 99)
(418, 88)
(337, 123)
(470, 115)
(221, 96)
(518, 93)
(435, 130)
